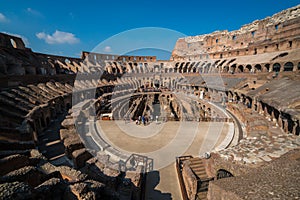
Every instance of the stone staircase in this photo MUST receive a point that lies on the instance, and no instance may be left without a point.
(198, 168)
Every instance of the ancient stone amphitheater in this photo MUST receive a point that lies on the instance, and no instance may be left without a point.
(54, 110)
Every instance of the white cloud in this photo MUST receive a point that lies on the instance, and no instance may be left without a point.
(107, 49)
(25, 40)
(33, 12)
(3, 18)
(71, 15)
(58, 37)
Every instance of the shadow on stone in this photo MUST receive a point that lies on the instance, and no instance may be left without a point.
(153, 179)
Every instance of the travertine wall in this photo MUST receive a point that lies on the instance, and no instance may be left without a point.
(276, 33)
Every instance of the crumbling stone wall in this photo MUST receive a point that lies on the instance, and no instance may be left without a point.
(275, 33)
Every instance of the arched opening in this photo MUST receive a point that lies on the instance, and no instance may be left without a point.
(222, 173)
(114, 70)
(180, 67)
(156, 83)
(248, 68)
(276, 67)
(288, 67)
(226, 69)
(232, 69)
(13, 43)
(267, 67)
(207, 67)
(299, 66)
(240, 68)
(258, 67)
(200, 70)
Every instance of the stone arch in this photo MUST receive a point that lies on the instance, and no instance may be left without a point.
(248, 68)
(185, 68)
(190, 67)
(289, 66)
(222, 173)
(207, 67)
(258, 67)
(276, 67)
(180, 67)
(225, 69)
(241, 68)
(266, 67)
(194, 70)
(233, 68)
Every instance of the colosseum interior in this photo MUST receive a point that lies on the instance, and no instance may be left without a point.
(243, 84)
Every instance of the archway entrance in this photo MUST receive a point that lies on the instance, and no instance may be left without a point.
(222, 173)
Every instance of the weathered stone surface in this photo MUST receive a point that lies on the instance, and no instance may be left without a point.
(190, 181)
(51, 189)
(68, 123)
(70, 174)
(72, 144)
(135, 177)
(278, 180)
(15, 191)
(79, 189)
(80, 156)
(13, 162)
(28, 174)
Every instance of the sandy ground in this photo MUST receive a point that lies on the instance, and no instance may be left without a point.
(163, 142)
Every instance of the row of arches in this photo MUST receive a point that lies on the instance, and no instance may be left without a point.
(208, 67)
(219, 66)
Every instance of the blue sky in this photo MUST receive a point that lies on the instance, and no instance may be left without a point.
(69, 27)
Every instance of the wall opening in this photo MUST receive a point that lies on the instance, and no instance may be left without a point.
(267, 67)
(248, 67)
(13, 43)
(276, 67)
(288, 67)
(222, 173)
(241, 68)
(255, 51)
(258, 67)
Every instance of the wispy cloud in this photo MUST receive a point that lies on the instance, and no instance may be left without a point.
(3, 18)
(107, 49)
(25, 40)
(34, 12)
(58, 37)
(72, 15)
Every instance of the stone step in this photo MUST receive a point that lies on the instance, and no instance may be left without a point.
(202, 195)
(199, 172)
(197, 165)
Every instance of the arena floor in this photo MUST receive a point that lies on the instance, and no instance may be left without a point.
(163, 142)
